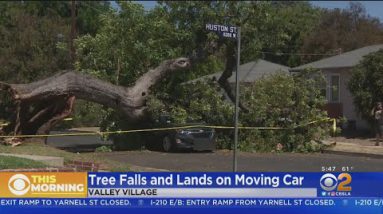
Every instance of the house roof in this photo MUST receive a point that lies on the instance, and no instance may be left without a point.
(347, 59)
(251, 71)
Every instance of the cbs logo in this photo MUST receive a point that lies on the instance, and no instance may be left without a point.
(19, 184)
(330, 182)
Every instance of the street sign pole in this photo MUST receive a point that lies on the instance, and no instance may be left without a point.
(236, 100)
(231, 32)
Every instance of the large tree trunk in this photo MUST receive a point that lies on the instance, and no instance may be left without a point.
(42, 104)
(230, 65)
(211, 48)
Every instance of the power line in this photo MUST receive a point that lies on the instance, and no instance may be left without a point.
(297, 54)
(94, 8)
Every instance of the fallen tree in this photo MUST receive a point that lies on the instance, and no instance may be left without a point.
(40, 105)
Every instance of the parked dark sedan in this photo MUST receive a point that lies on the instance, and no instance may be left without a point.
(196, 138)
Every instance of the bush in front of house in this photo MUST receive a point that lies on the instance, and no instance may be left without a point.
(280, 100)
(366, 84)
(286, 101)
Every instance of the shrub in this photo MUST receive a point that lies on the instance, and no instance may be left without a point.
(279, 100)
(286, 101)
(103, 149)
(366, 84)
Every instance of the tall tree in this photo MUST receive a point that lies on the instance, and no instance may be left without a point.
(133, 39)
(342, 30)
(294, 20)
(29, 45)
(35, 36)
(266, 27)
(366, 84)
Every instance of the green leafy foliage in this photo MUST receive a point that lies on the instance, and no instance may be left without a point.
(35, 37)
(103, 149)
(129, 41)
(28, 44)
(198, 101)
(132, 41)
(119, 46)
(366, 84)
(279, 100)
(265, 26)
(287, 101)
(289, 24)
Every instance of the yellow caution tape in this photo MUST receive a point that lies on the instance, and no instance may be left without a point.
(334, 126)
(165, 129)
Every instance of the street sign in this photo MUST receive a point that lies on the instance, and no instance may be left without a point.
(235, 33)
(223, 30)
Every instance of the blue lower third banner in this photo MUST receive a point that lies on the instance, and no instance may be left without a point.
(204, 192)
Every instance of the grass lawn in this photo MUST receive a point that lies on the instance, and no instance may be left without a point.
(18, 163)
(44, 150)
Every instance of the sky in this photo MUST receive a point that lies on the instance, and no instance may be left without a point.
(373, 8)
(148, 4)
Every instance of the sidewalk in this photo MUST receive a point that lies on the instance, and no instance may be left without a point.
(354, 146)
(48, 160)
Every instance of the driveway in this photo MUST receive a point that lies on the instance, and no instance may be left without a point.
(222, 161)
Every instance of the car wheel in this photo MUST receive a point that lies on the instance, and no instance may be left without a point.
(167, 144)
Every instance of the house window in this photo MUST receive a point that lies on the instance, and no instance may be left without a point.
(323, 92)
(334, 88)
(322, 87)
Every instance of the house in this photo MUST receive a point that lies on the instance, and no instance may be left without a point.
(247, 73)
(337, 71)
(251, 71)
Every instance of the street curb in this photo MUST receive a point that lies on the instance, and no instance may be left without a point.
(351, 149)
(46, 169)
(48, 160)
(136, 168)
(354, 154)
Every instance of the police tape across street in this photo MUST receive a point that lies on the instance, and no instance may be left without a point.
(171, 128)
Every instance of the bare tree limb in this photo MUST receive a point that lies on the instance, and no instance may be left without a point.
(226, 74)
(52, 98)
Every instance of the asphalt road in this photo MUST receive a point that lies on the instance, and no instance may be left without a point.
(222, 161)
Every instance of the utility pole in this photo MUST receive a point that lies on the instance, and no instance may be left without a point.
(73, 30)
(118, 71)
(236, 100)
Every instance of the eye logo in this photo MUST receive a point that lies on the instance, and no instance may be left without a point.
(19, 184)
(328, 182)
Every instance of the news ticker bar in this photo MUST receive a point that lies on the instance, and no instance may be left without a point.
(193, 202)
(189, 185)
(203, 192)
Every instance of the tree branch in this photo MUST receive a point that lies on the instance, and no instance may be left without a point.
(52, 98)
(226, 74)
